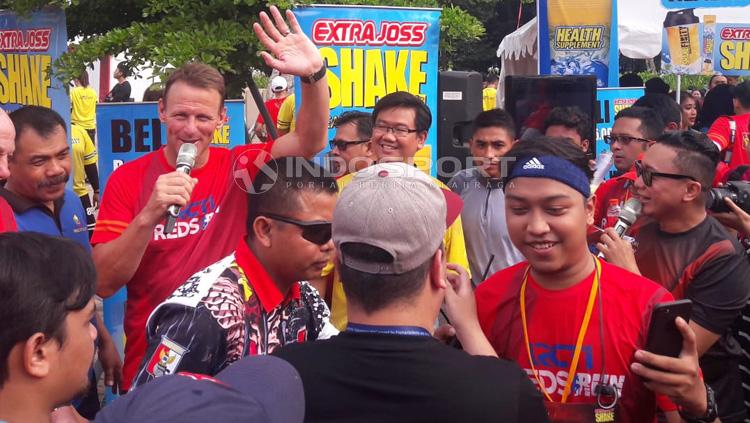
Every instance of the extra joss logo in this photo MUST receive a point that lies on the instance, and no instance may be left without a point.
(367, 33)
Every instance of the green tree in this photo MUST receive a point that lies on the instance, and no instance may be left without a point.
(168, 33)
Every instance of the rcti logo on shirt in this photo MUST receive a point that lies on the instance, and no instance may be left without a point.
(166, 358)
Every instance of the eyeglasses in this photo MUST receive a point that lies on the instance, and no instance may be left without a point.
(398, 131)
(648, 176)
(316, 231)
(342, 145)
(622, 139)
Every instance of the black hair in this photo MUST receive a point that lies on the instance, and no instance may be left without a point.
(403, 99)
(491, 78)
(83, 78)
(570, 117)
(717, 103)
(696, 155)
(548, 146)
(652, 125)
(631, 80)
(664, 105)
(494, 118)
(123, 69)
(44, 121)
(277, 187)
(361, 120)
(373, 292)
(742, 94)
(656, 85)
(42, 279)
(714, 76)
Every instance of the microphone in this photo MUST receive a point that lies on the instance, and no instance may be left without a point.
(629, 213)
(185, 163)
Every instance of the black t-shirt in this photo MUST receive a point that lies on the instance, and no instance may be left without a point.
(120, 93)
(364, 377)
(706, 265)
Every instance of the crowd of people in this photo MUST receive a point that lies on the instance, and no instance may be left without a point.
(382, 294)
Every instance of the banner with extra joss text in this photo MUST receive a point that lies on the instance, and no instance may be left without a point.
(579, 37)
(28, 47)
(731, 55)
(374, 51)
(127, 131)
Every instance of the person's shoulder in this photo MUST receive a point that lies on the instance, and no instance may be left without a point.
(136, 168)
(344, 180)
(499, 280)
(635, 286)
(461, 179)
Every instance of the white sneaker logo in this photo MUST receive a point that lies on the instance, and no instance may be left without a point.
(534, 164)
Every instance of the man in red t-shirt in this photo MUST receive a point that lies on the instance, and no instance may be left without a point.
(736, 149)
(634, 127)
(279, 90)
(564, 303)
(131, 246)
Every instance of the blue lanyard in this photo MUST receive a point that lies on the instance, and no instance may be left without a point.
(387, 330)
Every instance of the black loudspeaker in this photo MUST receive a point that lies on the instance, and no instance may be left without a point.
(529, 99)
(460, 102)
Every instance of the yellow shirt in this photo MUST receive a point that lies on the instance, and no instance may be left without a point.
(455, 252)
(286, 120)
(83, 102)
(84, 153)
(489, 98)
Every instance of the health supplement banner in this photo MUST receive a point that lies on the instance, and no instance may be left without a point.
(579, 37)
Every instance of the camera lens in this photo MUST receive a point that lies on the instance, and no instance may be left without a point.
(715, 199)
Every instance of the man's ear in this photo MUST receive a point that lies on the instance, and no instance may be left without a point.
(438, 278)
(38, 354)
(589, 208)
(261, 228)
(692, 191)
(585, 145)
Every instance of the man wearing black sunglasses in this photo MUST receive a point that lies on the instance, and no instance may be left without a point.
(691, 254)
(255, 300)
(632, 130)
(351, 143)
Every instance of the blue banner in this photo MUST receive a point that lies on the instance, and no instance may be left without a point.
(28, 47)
(731, 53)
(610, 101)
(682, 4)
(579, 37)
(127, 131)
(374, 51)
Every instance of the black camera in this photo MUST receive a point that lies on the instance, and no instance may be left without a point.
(737, 191)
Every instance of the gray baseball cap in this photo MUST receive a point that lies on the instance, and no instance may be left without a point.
(397, 208)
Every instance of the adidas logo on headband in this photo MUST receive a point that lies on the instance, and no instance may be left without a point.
(534, 164)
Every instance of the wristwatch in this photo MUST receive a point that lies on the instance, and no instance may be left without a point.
(314, 77)
(712, 411)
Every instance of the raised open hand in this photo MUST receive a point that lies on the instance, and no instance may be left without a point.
(289, 50)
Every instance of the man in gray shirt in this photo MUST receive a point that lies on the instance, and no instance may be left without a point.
(488, 245)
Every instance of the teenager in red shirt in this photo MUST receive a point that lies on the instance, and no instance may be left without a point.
(564, 311)
(131, 246)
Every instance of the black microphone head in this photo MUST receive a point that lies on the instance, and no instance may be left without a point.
(186, 156)
(631, 210)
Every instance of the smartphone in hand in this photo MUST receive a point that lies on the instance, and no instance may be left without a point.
(663, 336)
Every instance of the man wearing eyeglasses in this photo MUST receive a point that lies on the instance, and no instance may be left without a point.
(400, 124)
(631, 132)
(351, 143)
(691, 254)
(252, 301)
